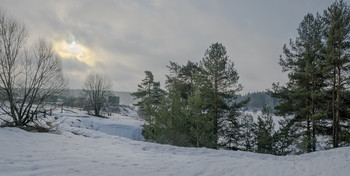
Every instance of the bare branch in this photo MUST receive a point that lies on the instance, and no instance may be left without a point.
(97, 89)
(27, 76)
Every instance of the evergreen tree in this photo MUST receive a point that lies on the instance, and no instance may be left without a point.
(162, 125)
(337, 34)
(231, 127)
(199, 103)
(201, 125)
(186, 122)
(284, 138)
(149, 95)
(247, 133)
(230, 132)
(182, 118)
(171, 120)
(181, 78)
(223, 77)
(302, 95)
(265, 132)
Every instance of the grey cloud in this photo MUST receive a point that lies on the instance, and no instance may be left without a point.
(75, 71)
(74, 65)
(129, 36)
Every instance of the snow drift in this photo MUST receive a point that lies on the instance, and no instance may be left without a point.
(94, 146)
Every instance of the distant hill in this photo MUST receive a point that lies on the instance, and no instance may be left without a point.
(258, 100)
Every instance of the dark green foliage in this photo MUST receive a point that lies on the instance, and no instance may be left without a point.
(284, 138)
(202, 108)
(201, 123)
(223, 78)
(231, 127)
(181, 78)
(265, 132)
(247, 133)
(199, 104)
(182, 124)
(149, 95)
(337, 35)
(317, 63)
(170, 120)
(304, 63)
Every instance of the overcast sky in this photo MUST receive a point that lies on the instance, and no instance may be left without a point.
(123, 38)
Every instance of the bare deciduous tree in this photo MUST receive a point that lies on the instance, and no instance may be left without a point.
(27, 76)
(97, 89)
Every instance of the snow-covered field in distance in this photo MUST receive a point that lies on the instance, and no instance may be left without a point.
(93, 146)
(256, 114)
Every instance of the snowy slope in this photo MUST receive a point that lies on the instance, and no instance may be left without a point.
(105, 147)
(89, 126)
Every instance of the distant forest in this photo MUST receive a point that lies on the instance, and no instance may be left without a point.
(258, 100)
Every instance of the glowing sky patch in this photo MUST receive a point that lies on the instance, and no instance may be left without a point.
(74, 50)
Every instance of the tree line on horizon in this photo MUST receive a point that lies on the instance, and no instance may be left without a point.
(257, 101)
(199, 107)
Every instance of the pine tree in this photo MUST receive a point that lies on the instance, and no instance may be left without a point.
(181, 78)
(199, 103)
(284, 138)
(201, 125)
(170, 125)
(247, 138)
(223, 77)
(231, 126)
(337, 34)
(162, 123)
(230, 131)
(177, 117)
(302, 96)
(175, 114)
(149, 95)
(265, 132)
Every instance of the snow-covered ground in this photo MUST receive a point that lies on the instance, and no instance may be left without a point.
(275, 119)
(77, 122)
(94, 146)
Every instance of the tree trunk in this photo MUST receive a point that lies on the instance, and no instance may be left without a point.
(313, 115)
(308, 131)
(197, 129)
(337, 118)
(333, 108)
(216, 111)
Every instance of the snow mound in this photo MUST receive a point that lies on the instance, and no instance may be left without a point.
(96, 127)
(89, 146)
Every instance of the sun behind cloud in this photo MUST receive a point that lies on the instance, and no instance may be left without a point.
(74, 50)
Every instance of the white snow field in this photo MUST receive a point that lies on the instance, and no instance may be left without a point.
(90, 146)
